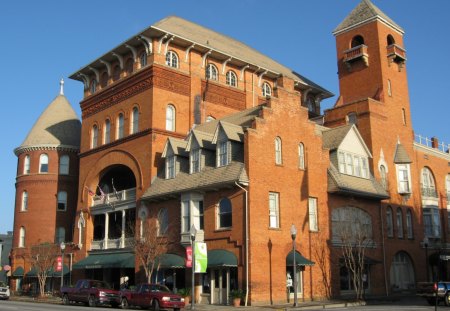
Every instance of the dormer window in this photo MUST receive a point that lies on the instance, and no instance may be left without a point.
(222, 153)
(353, 164)
(170, 167)
(403, 178)
(195, 160)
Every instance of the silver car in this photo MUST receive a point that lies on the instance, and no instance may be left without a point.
(4, 291)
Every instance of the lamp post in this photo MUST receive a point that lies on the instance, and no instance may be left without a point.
(63, 247)
(294, 263)
(193, 232)
(425, 244)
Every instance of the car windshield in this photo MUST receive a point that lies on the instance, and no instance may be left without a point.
(2, 284)
(160, 288)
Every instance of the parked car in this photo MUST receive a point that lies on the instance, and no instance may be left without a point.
(90, 292)
(151, 295)
(429, 290)
(4, 291)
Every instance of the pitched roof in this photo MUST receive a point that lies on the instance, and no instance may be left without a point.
(178, 146)
(208, 178)
(365, 12)
(232, 131)
(57, 126)
(333, 137)
(401, 156)
(204, 140)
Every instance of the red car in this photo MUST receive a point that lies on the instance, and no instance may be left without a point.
(151, 295)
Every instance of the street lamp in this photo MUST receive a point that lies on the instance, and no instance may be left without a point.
(294, 263)
(425, 244)
(63, 247)
(193, 232)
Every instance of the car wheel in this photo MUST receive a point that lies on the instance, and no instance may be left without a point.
(124, 303)
(65, 299)
(447, 299)
(155, 305)
(91, 301)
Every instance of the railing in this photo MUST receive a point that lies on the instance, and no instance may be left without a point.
(428, 192)
(123, 195)
(428, 142)
(356, 52)
(397, 51)
(111, 243)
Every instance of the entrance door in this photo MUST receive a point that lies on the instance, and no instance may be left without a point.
(220, 279)
(299, 280)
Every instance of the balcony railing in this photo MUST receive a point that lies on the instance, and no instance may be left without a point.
(428, 142)
(123, 195)
(396, 53)
(110, 243)
(355, 53)
(428, 192)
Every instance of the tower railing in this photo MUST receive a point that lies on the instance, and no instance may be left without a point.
(431, 143)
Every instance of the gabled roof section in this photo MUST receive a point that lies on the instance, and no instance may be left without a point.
(57, 126)
(203, 140)
(334, 137)
(364, 13)
(401, 156)
(232, 132)
(178, 147)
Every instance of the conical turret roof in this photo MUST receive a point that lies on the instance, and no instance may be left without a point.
(365, 12)
(58, 126)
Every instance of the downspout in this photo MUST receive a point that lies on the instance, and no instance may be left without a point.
(246, 241)
(384, 252)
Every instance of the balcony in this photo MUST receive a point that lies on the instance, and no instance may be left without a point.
(396, 54)
(186, 237)
(111, 243)
(429, 196)
(118, 196)
(355, 54)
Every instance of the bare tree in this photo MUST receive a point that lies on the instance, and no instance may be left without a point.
(321, 253)
(43, 257)
(352, 230)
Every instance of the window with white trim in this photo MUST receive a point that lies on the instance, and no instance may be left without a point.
(278, 151)
(231, 78)
(62, 200)
(170, 166)
(143, 59)
(312, 208)
(191, 212)
(399, 223)
(224, 215)
(403, 178)
(64, 165)
(43, 163)
(266, 90)
(24, 206)
(135, 120)
(60, 235)
(409, 226)
(172, 59)
(185, 216)
(428, 187)
(301, 156)
(170, 118)
(274, 210)
(119, 127)
(353, 164)
(22, 237)
(94, 136)
(431, 221)
(195, 160)
(163, 221)
(107, 132)
(211, 72)
(222, 153)
(26, 164)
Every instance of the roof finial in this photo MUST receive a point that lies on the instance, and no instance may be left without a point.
(61, 89)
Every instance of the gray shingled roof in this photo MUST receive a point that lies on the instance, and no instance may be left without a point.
(208, 178)
(178, 146)
(57, 126)
(365, 12)
(333, 137)
(203, 139)
(401, 156)
(232, 131)
(352, 185)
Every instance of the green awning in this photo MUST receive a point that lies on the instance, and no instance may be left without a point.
(32, 273)
(18, 272)
(299, 259)
(108, 260)
(221, 258)
(170, 261)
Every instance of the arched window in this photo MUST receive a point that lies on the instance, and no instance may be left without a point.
(211, 72)
(163, 221)
(428, 186)
(409, 226)
(24, 206)
(104, 79)
(129, 66)
(278, 154)
(383, 176)
(119, 127)
(390, 40)
(301, 156)
(60, 235)
(26, 164)
(64, 165)
(399, 223)
(62, 200)
(135, 121)
(357, 41)
(43, 163)
(107, 132)
(94, 137)
(231, 78)
(172, 59)
(116, 73)
(170, 118)
(266, 90)
(143, 59)
(93, 86)
(389, 222)
(224, 213)
(22, 237)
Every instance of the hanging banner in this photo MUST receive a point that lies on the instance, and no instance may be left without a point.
(201, 257)
(188, 256)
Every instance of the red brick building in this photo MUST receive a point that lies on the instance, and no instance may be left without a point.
(184, 126)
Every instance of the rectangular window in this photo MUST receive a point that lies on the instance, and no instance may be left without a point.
(431, 222)
(170, 167)
(357, 162)
(222, 154)
(195, 161)
(312, 205)
(341, 159)
(186, 221)
(409, 227)
(403, 178)
(274, 210)
(349, 164)
(399, 224)
(197, 214)
(365, 168)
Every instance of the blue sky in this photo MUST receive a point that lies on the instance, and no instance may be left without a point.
(44, 41)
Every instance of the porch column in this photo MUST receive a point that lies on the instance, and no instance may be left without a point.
(105, 241)
(122, 237)
(220, 287)
(228, 285)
